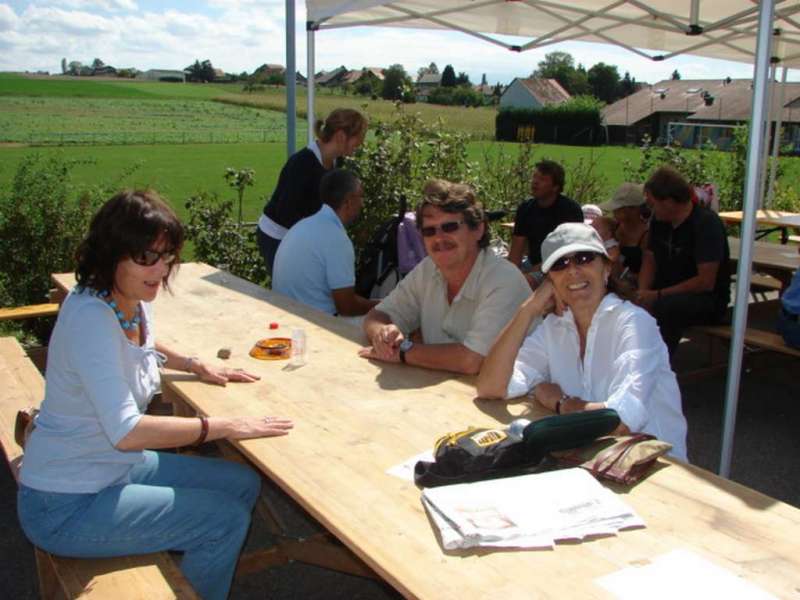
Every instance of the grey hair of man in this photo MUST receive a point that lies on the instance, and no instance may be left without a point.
(336, 186)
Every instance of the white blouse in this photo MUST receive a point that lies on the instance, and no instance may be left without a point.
(625, 367)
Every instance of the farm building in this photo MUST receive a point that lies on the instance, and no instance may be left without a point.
(426, 83)
(713, 102)
(533, 93)
(161, 75)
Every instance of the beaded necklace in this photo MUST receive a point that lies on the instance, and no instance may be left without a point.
(124, 323)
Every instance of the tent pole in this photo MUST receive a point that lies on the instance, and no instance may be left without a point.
(310, 82)
(776, 141)
(743, 271)
(291, 81)
(766, 126)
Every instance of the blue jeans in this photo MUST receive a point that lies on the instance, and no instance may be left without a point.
(200, 506)
(789, 328)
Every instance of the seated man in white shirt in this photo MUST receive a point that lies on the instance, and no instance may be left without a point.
(457, 299)
(315, 262)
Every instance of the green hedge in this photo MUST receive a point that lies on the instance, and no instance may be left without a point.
(575, 122)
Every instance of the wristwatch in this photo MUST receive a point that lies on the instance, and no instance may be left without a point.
(405, 346)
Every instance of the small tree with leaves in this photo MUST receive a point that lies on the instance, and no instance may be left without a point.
(240, 180)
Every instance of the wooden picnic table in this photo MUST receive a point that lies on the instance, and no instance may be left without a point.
(769, 220)
(778, 260)
(355, 419)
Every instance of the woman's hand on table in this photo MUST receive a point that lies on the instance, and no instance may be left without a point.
(244, 428)
(221, 375)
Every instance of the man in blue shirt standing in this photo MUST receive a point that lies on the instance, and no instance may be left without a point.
(315, 263)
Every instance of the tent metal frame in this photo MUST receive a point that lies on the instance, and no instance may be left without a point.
(758, 20)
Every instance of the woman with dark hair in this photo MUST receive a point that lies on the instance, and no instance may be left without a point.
(91, 484)
(593, 350)
(297, 194)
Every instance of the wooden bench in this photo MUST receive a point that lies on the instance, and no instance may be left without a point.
(49, 309)
(151, 576)
(759, 338)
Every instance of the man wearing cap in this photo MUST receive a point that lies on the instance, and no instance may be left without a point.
(631, 231)
(541, 214)
(685, 278)
(448, 310)
(593, 351)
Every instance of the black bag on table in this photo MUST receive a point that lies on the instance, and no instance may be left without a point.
(475, 454)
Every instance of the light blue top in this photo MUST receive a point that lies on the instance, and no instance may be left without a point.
(791, 297)
(98, 385)
(314, 258)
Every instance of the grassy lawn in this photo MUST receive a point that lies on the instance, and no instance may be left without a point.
(478, 122)
(12, 84)
(98, 120)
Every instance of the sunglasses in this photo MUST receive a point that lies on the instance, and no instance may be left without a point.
(449, 227)
(150, 257)
(577, 259)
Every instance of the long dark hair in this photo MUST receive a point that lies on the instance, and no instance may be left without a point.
(126, 225)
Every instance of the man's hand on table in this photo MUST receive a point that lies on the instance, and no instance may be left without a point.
(221, 375)
(385, 344)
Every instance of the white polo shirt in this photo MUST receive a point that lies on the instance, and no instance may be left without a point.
(625, 366)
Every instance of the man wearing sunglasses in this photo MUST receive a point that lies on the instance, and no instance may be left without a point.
(539, 215)
(446, 313)
(685, 276)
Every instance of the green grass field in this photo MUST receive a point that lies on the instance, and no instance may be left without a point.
(478, 122)
(178, 171)
(97, 120)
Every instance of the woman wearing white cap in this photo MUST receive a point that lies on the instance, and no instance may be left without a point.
(593, 350)
(631, 231)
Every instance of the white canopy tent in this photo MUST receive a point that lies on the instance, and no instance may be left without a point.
(739, 30)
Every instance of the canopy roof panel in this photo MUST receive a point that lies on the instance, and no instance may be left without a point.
(656, 29)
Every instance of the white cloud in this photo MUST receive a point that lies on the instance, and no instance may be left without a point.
(106, 5)
(8, 18)
(239, 35)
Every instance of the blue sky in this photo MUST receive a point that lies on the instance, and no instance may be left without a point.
(239, 35)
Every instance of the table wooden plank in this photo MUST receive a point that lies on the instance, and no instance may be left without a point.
(355, 419)
(766, 254)
(772, 218)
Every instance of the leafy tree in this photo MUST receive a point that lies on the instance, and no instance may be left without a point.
(556, 65)
(240, 179)
(396, 84)
(627, 86)
(200, 71)
(448, 77)
(63, 66)
(74, 67)
(432, 68)
(605, 81)
(675, 75)
(578, 83)
(98, 64)
(463, 79)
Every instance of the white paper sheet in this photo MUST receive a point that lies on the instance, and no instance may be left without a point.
(680, 574)
(405, 470)
(526, 511)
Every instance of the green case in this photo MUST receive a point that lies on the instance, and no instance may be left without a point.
(563, 432)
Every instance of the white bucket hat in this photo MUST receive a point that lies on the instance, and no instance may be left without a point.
(628, 194)
(568, 238)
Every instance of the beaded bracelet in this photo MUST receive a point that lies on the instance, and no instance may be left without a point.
(203, 431)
